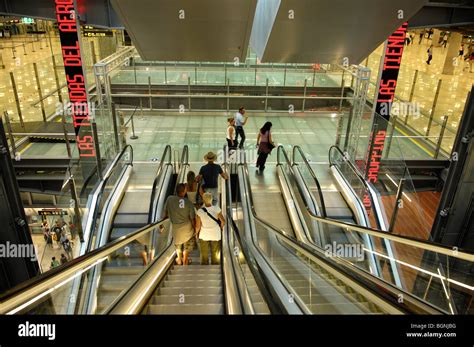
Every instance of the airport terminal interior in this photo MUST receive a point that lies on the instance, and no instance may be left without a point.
(237, 157)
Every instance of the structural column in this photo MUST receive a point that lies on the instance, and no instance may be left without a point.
(451, 60)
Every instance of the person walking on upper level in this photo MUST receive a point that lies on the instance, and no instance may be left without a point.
(240, 121)
(209, 225)
(182, 217)
(264, 144)
(209, 175)
(445, 40)
(430, 54)
(231, 135)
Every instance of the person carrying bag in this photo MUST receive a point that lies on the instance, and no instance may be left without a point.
(209, 225)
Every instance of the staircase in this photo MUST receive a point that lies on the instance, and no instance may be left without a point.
(123, 268)
(191, 289)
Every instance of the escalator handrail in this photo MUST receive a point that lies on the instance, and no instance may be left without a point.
(166, 153)
(313, 176)
(33, 288)
(185, 156)
(358, 175)
(99, 193)
(368, 281)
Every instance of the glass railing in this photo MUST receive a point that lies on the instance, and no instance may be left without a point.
(194, 73)
(51, 293)
(430, 273)
(317, 277)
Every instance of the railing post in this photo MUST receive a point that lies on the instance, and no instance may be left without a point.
(266, 95)
(284, 77)
(149, 93)
(24, 49)
(398, 201)
(66, 138)
(77, 210)
(412, 91)
(255, 76)
(314, 75)
(115, 127)
(304, 94)
(97, 149)
(433, 107)
(40, 93)
(134, 70)
(17, 99)
(189, 93)
(195, 75)
(166, 77)
(342, 92)
(134, 136)
(440, 139)
(228, 94)
(394, 120)
(58, 87)
(10, 133)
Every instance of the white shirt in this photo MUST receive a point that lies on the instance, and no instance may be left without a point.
(210, 230)
(239, 119)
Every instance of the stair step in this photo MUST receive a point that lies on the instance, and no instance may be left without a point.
(192, 283)
(337, 309)
(194, 276)
(189, 290)
(122, 270)
(187, 299)
(186, 309)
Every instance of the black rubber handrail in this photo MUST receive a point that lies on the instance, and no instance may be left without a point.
(297, 149)
(106, 178)
(358, 175)
(166, 153)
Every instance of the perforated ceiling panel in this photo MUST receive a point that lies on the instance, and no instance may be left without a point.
(326, 31)
(188, 30)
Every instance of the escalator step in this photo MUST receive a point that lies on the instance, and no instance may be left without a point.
(186, 309)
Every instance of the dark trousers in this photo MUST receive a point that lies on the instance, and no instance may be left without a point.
(261, 160)
(229, 144)
(429, 59)
(215, 248)
(239, 132)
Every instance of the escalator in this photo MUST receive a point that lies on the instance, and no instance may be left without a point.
(127, 209)
(328, 283)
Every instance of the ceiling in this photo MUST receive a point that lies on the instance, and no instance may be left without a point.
(188, 30)
(325, 31)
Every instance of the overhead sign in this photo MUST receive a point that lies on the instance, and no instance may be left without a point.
(88, 31)
(69, 32)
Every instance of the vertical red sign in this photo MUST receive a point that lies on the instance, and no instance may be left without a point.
(385, 95)
(69, 32)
